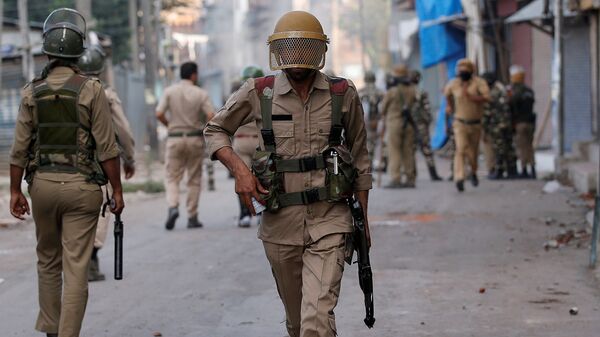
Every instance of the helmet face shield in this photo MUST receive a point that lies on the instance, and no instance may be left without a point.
(297, 52)
(65, 18)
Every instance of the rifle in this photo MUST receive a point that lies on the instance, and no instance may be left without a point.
(365, 274)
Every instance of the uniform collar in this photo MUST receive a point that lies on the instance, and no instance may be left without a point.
(62, 71)
(284, 84)
(186, 81)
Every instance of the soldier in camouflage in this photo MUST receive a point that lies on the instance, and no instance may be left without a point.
(421, 115)
(497, 123)
(371, 97)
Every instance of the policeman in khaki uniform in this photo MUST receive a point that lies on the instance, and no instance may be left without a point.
(65, 143)
(91, 63)
(371, 98)
(245, 142)
(466, 96)
(521, 100)
(302, 114)
(189, 109)
(396, 108)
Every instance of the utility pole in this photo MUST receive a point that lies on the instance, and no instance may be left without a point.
(84, 7)
(151, 68)
(363, 41)
(1, 29)
(134, 42)
(26, 57)
(560, 82)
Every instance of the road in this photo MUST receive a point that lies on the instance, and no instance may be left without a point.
(445, 264)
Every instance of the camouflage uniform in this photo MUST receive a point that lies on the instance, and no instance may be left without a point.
(421, 115)
(370, 97)
(497, 123)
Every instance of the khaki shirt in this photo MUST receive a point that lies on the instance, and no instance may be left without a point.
(121, 124)
(94, 114)
(188, 106)
(465, 108)
(306, 134)
(397, 99)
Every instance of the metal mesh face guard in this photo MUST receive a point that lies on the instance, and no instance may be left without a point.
(297, 52)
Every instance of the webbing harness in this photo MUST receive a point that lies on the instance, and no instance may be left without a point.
(264, 89)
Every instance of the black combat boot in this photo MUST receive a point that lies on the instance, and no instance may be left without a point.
(513, 173)
(433, 174)
(171, 218)
(51, 335)
(408, 184)
(524, 173)
(460, 185)
(498, 174)
(474, 180)
(194, 223)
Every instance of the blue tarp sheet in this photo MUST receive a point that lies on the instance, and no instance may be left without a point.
(440, 43)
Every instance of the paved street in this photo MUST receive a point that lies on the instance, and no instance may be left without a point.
(445, 265)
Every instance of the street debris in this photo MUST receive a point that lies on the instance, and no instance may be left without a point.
(566, 237)
(553, 187)
(574, 311)
(157, 334)
(481, 290)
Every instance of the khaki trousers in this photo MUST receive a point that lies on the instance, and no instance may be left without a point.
(308, 281)
(467, 137)
(184, 154)
(401, 147)
(488, 151)
(524, 142)
(65, 215)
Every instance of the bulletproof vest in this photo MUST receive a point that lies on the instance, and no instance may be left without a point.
(522, 104)
(269, 167)
(61, 142)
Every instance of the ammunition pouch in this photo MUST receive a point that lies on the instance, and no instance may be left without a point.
(340, 185)
(263, 167)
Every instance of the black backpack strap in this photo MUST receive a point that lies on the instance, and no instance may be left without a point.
(264, 89)
(338, 87)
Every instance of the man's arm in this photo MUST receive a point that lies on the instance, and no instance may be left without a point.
(162, 107)
(112, 170)
(161, 116)
(18, 203)
(124, 134)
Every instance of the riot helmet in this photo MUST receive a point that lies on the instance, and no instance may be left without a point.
(92, 61)
(64, 34)
(298, 41)
(252, 72)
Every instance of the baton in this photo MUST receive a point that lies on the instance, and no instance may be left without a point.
(118, 230)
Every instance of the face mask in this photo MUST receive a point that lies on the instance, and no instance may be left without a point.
(465, 75)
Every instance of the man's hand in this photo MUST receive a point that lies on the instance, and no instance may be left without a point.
(19, 205)
(117, 204)
(247, 187)
(129, 170)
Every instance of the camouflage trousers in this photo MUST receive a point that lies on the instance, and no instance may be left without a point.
(504, 150)
(423, 140)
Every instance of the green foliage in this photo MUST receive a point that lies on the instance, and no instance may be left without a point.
(112, 19)
(375, 19)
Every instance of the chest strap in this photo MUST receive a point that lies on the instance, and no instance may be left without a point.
(264, 89)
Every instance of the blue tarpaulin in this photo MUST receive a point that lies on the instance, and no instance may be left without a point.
(440, 42)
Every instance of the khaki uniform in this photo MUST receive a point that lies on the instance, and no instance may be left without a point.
(65, 209)
(521, 103)
(400, 132)
(188, 106)
(467, 123)
(245, 142)
(127, 145)
(305, 243)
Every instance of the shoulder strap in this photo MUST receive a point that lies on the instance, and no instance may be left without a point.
(264, 90)
(338, 87)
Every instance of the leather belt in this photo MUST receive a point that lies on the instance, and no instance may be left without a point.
(469, 121)
(197, 133)
(246, 136)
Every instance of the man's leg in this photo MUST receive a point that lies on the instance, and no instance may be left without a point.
(49, 252)
(174, 170)
(194, 160)
(460, 152)
(394, 148)
(488, 151)
(322, 279)
(286, 266)
(81, 202)
(408, 156)
(94, 273)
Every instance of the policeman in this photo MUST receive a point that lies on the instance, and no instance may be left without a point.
(498, 125)
(65, 143)
(302, 115)
(421, 115)
(466, 96)
(371, 97)
(396, 109)
(245, 142)
(521, 100)
(190, 108)
(91, 63)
